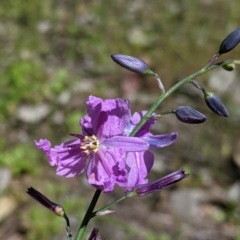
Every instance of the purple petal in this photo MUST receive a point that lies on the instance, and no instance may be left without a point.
(45, 146)
(136, 118)
(69, 161)
(73, 170)
(109, 117)
(140, 164)
(104, 169)
(159, 141)
(86, 124)
(129, 144)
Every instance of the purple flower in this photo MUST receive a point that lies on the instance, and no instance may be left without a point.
(104, 147)
(160, 183)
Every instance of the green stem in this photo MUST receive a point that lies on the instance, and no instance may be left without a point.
(131, 194)
(88, 215)
(168, 93)
(164, 113)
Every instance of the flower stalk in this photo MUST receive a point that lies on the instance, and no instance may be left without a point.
(90, 214)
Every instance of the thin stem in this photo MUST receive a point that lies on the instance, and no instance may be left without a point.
(170, 91)
(88, 215)
(114, 203)
(164, 113)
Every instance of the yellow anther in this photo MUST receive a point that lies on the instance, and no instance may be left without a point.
(89, 144)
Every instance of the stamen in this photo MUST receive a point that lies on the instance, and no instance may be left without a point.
(89, 144)
(80, 136)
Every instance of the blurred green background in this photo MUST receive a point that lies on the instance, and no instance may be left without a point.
(53, 54)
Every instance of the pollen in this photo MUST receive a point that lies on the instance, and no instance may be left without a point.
(89, 144)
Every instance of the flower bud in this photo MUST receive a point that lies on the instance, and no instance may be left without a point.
(57, 209)
(161, 183)
(93, 235)
(230, 42)
(229, 67)
(189, 115)
(215, 104)
(132, 63)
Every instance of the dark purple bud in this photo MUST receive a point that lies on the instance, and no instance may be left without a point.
(93, 235)
(57, 209)
(161, 183)
(132, 63)
(230, 42)
(189, 115)
(215, 104)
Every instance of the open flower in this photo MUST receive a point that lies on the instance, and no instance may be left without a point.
(104, 147)
(140, 163)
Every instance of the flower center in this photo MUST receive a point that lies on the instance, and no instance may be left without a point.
(89, 144)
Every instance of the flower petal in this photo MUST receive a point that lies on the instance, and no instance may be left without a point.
(71, 171)
(135, 119)
(129, 144)
(103, 169)
(139, 164)
(109, 117)
(45, 146)
(86, 124)
(70, 161)
(159, 141)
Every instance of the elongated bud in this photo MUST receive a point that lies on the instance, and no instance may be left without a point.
(136, 65)
(189, 115)
(229, 67)
(57, 209)
(230, 42)
(215, 104)
(132, 63)
(54, 207)
(160, 183)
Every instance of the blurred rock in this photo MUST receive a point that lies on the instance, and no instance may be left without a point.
(58, 117)
(33, 113)
(187, 203)
(64, 97)
(5, 177)
(233, 193)
(137, 36)
(16, 237)
(8, 205)
(85, 85)
(221, 80)
(130, 86)
(44, 26)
